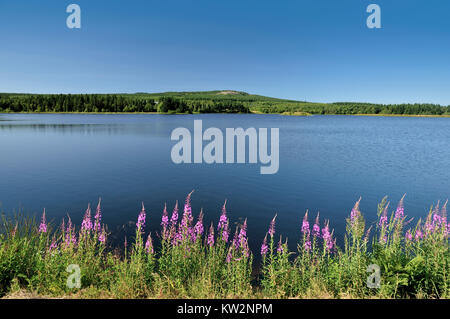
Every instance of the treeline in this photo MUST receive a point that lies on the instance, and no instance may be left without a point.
(75, 103)
(114, 103)
(353, 108)
(169, 104)
(400, 109)
(200, 102)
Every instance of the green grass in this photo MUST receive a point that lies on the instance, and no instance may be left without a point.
(193, 262)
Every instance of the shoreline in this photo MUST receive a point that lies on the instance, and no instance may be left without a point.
(251, 112)
(401, 115)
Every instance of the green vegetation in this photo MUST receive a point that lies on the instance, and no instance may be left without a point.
(201, 102)
(191, 261)
(119, 103)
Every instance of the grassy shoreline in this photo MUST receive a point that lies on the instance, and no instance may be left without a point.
(251, 112)
(404, 115)
(193, 261)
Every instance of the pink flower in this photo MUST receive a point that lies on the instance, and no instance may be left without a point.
(272, 226)
(198, 228)
(174, 218)
(43, 225)
(437, 220)
(225, 233)
(223, 220)
(355, 213)
(98, 217)
(102, 235)
(224, 224)
(86, 224)
(187, 214)
(305, 225)
(419, 235)
(400, 212)
(177, 238)
(53, 245)
(307, 245)
(242, 234)
(141, 220)
(408, 235)
(383, 218)
(327, 237)
(149, 245)
(235, 241)
(70, 234)
(229, 255)
(429, 227)
(264, 247)
(280, 247)
(165, 218)
(210, 241)
(245, 248)
(316, 227)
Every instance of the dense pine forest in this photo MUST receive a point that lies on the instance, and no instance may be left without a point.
(116, 103)
(200, 102)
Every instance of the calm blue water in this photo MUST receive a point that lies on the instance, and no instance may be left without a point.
(62, 162)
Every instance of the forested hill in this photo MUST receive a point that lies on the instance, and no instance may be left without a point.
(200, 102)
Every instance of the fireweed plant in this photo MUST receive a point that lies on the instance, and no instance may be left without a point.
(191, 260)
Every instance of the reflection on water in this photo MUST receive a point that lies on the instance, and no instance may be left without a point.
(70, 128)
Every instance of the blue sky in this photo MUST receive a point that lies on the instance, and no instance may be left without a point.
(317, 50)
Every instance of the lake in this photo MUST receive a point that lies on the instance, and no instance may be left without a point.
(64, 161)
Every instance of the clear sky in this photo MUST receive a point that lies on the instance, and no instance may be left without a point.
(318, 50)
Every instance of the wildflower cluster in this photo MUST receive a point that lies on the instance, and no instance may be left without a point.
(185, 259)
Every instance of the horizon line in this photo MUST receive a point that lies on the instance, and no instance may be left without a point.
(238, 91)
